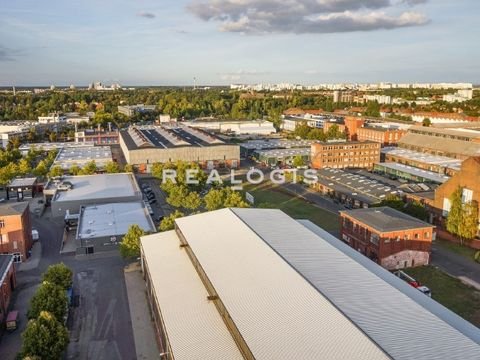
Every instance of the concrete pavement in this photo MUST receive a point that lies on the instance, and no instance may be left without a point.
(143, 328)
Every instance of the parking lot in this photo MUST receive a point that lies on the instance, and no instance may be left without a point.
(152, 192)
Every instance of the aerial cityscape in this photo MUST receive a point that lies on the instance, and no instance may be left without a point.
(240, 179)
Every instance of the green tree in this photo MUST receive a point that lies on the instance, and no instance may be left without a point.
(74, 170)
(214, 199)
(234, 199)
(455, 215)
(90, 168)
(44, 338)
(426, 122)
(59, 274)
(192, 201)
(130, 245)
(468, 228)
(168, 223)
(177, 195)
(41, 169)
(52, 137)
(298, 161)
(112, 167)
(24, 167)
(55, 171)
(49, 297)
(128, 168)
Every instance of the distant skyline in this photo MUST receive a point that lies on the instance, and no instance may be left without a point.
(153, 42)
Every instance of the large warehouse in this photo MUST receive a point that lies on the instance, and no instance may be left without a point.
(146, 145)
(276, 288)
(72, 192)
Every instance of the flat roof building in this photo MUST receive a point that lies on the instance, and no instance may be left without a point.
(434, 163)
(143, 146)
(102, 227)
(255, 283)
(16, 230)
(282, 156)
(72, 192)
(22, 189)
(254, 127)
(82, 155)
(393, 239)
(410, 173)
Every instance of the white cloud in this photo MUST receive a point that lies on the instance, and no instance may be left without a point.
(306, 16)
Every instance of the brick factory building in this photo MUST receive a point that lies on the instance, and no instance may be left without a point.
(391, 238)
(341, 155)
(384, 136)
(467, 178)
(145, 145)
(7, 285)
(15, 230)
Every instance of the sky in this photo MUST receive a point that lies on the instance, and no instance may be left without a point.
(171, 42)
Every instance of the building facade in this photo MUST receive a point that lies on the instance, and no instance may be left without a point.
(386, 137)
(15, 230)
(341, 155)
(389, 237)
(8, 283)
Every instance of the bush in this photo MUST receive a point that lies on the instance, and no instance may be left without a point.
(477, 256)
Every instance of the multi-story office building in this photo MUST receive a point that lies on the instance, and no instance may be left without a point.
(341, 155)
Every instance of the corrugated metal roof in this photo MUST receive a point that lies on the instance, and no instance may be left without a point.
(278, 313)
(401, 326)
(194, 327)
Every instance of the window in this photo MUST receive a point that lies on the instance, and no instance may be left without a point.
(446, 206)
(2, 223)
(374, 238)
(426, 235)
(387, 241)
(467, 196)
(416, 236)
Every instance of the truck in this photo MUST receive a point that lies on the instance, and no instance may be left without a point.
(35, 235)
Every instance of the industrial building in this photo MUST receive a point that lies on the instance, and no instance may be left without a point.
(434, 163)
(82, 155)
(409, 173)
(71, 192)
(387, 236)
(249, 147)
(102, 227)
(454, 143)
(277, 288)
(282, 157)
(382, 135)
(21, 189)
(345, 154)
(361, 189)
(253, 127)
(143, 146)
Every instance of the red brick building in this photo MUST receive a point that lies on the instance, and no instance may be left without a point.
(387, 236)
(350, 126)
(15, 230)
(344, 154)
(386, 137)
(7, 285)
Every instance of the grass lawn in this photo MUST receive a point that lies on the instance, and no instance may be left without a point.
(450, 292)
(456, 248)
(267, 197)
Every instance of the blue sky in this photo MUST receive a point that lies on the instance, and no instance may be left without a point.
(166, 42)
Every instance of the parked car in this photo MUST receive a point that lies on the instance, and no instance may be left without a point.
(150, 196)
(152, 201)
(35, 235)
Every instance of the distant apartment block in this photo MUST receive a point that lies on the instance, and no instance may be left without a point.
(52, 119)
(15, 230)
(130, 110)
(387, 236)
(341, 155)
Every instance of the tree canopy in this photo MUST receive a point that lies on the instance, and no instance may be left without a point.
(130, 245)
